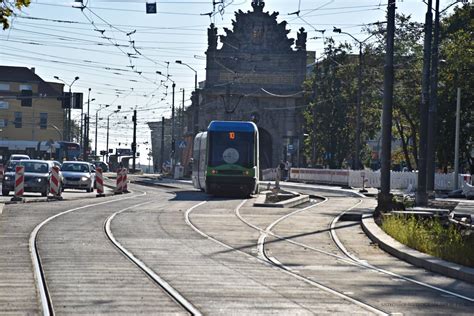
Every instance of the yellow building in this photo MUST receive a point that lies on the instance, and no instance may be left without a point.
(29, 106)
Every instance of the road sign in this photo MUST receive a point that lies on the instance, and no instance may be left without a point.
(182, 144)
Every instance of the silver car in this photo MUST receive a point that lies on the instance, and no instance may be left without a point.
(78, 175)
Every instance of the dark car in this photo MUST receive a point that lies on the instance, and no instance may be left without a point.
(101, 164)
(37, 174)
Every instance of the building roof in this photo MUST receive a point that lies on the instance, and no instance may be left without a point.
(27, 75)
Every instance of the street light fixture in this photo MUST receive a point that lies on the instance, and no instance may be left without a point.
(96, 122)
(196, 108)
(356, 164)
(108, 118)
(68, 110)
(173, 142)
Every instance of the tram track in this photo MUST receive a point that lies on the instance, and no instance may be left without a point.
(347, 258)
(46, 301)
(267, 261)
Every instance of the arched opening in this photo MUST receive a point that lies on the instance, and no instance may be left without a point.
(265, 149)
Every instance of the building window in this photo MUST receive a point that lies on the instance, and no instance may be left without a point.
(3, 123)
(18, 120)
(26, 87)
(4, 105)
(43, 120)
(4, 86)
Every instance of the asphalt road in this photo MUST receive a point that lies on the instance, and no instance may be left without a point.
(223, 256)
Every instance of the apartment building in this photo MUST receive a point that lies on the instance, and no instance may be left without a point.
(29, 106)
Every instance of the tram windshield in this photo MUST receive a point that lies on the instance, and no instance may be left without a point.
(231, 148)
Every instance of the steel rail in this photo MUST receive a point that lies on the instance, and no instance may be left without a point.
(277, 265)
(41, 284)
(172, 292)
(375, 268)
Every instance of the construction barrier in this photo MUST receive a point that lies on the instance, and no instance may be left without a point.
(119, 182)
(99, 182)
(55, 183)
(124, 180)
(19, 183)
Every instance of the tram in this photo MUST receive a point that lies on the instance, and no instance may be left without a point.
(225, 159)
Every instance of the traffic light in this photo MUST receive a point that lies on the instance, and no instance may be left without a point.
(77, 101)
(66, 100)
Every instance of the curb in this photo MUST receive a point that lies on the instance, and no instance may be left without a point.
(419, 259)
(152, 184)
(300, 199)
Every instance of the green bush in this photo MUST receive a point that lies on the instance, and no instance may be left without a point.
(431, 237)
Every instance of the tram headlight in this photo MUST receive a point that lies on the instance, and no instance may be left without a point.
(246, 172)
(214, 171)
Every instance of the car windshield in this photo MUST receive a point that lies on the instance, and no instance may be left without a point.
(11, 165)
(36, 167)
(75, 167)
(231, 148)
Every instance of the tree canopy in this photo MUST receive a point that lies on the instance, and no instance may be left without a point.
(8, 8)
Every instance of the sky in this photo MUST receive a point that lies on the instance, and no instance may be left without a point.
(116, 49)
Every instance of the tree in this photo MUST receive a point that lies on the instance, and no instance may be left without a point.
(330, 117)
(8, 8)
(456, 68)
(408, 60)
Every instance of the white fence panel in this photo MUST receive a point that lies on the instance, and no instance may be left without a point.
(269, 174)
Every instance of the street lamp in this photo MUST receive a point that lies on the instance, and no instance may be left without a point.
(356, 164)
(172, 122)
(96, 121)
(108, 118)
(68, 110)
(196, 108)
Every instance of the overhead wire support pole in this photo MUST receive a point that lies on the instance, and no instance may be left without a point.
(134, 143)
(172, 132)
(433, 108)
(384, 197)
(421, 197)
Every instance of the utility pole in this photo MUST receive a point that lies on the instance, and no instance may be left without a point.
(385, 198)
(456, 141)
(162, 147)
(433, 109)
(134, 142)
(172, 133)
(107, 143)
(85, 147)
(181, 129)
(358, 112)
(421, 197)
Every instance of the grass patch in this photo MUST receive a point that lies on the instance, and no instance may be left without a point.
(432, 237)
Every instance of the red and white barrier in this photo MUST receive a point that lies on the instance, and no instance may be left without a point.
(119, 182)
(99, 182)
(124, 180)
(19, 183)
(55, 183)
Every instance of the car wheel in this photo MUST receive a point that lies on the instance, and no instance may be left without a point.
(45, 192)
(5, 192)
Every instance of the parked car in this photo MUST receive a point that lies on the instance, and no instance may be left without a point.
(78, 175)
(37, 175)
(101, 164)
(19, 157)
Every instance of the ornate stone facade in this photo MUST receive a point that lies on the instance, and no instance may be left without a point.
(257, 75)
